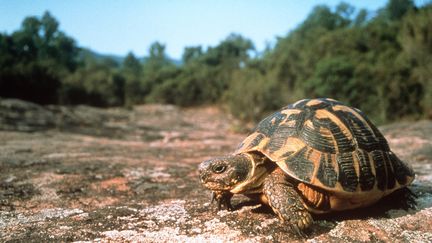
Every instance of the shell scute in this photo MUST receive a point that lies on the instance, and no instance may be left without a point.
(326, 173)
(347, 176)
(368, 137)
(366, 177)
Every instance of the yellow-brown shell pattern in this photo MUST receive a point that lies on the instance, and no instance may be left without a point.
(330, 145)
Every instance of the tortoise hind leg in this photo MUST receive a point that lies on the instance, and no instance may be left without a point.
(403, 198)
(286, 202)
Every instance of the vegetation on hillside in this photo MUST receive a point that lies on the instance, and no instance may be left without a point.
(380, 62)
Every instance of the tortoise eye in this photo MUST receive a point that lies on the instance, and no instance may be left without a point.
(218, 168)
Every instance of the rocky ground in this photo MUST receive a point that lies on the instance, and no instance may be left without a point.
(85, 174)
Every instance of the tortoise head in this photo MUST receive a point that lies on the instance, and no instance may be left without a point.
(225, 173)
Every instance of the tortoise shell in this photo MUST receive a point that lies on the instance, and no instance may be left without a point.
(331, 146)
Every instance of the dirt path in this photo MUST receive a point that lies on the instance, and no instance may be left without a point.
(87, 174)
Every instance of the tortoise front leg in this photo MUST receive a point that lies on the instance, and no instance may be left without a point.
(286, 202)
(222, 199)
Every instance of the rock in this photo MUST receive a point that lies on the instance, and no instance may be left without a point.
(24, 116)
(87, 174)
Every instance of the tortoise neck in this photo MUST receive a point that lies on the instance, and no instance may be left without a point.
(260, 167)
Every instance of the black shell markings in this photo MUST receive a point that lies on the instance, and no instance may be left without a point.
(279, 138)
(367, 136)
(391, 181)
(319, 128)
(316, 133)
(255, 140)
(301, 165)
(341, 134)
(269, 125)
(327, 136)
(380, 169)
(347, 175)
(401, 171)
(326, 173)
(366, 178)
(381, 139)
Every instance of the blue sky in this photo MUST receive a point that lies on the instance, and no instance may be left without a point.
(117, 27)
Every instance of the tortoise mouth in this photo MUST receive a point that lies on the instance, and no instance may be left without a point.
(217, 186)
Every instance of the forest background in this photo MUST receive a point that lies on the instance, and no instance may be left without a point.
(380, 63)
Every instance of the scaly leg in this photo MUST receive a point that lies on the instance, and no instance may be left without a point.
(286, 202)
(222, 199)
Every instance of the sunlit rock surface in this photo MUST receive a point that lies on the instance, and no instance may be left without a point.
(94, 175)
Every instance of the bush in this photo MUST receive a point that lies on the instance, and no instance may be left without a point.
(251, 95)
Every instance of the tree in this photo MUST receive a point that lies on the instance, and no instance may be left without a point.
(157, 68)
(132, 66)
(96, 83)
(41, 40)
(332, 78)
(323, 17)
(132, 71)
(396, 9)
(192, 54)
(361, 18)
(35, 59)
(230, 55)
(416, 38)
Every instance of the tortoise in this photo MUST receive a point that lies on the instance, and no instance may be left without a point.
(314, 156)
